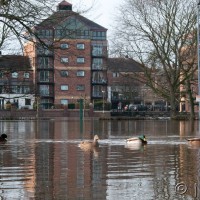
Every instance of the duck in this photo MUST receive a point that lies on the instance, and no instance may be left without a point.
(194, 141)
(137, 140)
(3, 137)
(90, 145)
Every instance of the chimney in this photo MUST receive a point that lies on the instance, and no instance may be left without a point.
(64, 5)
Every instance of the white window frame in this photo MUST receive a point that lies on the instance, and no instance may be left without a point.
(64, 46)
(64, 60)
(64, 101)
(14, 75)
(80, 46)
(80, 60)
(26, 75)
(64, 87)
(80, 73)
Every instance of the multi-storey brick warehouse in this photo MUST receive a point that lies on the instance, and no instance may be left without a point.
(71, 62)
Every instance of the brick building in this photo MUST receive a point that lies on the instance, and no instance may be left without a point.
(16, 81)
(127, 85)
(70, 63)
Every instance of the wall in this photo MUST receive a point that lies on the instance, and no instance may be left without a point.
(50, 113)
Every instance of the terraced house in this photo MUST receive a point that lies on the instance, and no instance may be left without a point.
(16, 82)
(71, 62)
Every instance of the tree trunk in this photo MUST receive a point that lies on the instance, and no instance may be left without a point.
(191, 100)
(173, 111)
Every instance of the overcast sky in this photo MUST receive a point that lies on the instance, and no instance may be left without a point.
(103, 12)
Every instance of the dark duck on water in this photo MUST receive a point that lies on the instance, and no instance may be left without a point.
(3, 137)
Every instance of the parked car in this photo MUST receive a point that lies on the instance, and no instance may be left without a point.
(137, 107)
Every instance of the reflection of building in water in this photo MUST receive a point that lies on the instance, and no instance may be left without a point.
(29, 183)
(17, 160)
(44, 164)
(188, 174)
(63, 170)
(188, 128)
(182, 128)
(188, 161)
(91, 173)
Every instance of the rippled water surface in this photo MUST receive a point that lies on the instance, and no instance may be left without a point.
(43, 160)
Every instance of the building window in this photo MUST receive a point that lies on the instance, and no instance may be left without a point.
(27, 102)
(44, 76)
(97, 63)
(14, 75)
(99, 35)
(80, 60)
(84, 34)
(44, 90)
(26, 75)
(64, 73)
(80, 87)
(45, 33)
(64, 46)
(15, 89)
(64, 101)
(26, 89)
(97, 91)
(64, 60)
(64, 87)
(43, 62)
(41, 50)
(80, 73)
(80, 46)
(115, 74)
(97, 50)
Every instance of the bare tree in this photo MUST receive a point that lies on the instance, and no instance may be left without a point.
(19, 17)
(156, 33)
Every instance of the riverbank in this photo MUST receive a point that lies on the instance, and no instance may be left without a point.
(23, 114)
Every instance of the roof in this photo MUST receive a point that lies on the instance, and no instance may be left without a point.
(15, 62)
(61, 15)
(124, 65)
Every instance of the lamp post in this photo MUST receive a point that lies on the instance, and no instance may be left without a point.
(103, 99)
(198, 50)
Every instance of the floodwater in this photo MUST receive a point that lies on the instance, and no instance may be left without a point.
(42, 160)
